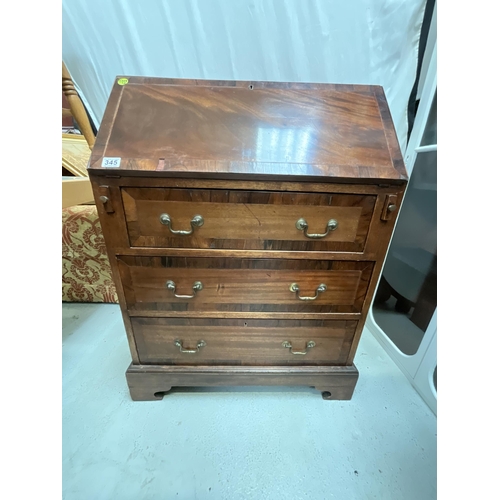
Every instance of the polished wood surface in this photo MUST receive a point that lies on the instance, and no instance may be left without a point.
(252, 285)
(242, 315)
(222, 129)
(133, 179)
(150, 382)
(191, 148)
(259, 220)
(117, 228)
(242, 342)
(77, 109)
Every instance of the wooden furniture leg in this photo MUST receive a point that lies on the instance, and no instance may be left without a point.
(76, 106)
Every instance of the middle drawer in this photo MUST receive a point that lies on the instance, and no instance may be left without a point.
(243, 285)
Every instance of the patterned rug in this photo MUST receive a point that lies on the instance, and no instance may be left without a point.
(86, 273)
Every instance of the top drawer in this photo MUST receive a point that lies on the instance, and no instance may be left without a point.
(246, 220)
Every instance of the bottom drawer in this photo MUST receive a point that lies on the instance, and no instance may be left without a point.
(185, 341)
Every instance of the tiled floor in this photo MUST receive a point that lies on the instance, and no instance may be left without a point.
(241, 443)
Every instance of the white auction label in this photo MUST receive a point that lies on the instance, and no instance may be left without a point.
(110, 162)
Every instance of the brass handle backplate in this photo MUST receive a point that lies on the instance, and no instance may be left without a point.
(197, 286)
(309, 345)
(302, 225)
(196, 221)
(295, 289)
(199, 345)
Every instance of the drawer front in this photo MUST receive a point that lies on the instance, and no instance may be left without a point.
(250, 220)
(245, 285)
(242, 342)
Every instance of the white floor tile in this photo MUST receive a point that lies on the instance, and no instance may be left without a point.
(240, 443)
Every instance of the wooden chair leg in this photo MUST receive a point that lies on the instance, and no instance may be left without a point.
(76, 106)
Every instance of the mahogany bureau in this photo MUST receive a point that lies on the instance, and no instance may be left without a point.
(246, 224)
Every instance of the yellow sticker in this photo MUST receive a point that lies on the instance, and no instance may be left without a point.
(122, 81)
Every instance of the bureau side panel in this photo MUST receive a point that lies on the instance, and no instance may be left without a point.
(379, 236)
(110, 209)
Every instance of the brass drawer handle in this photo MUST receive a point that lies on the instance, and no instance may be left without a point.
(196, 221)
(302, 225)
(197, 286)
(309, 345)
(295, 289)
(199, 345)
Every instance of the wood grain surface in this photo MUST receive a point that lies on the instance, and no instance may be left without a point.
(219, 128)
(150, 382)
(251, 158)
(259, 220)
(242, 341)
(76, 107)
(250, 285)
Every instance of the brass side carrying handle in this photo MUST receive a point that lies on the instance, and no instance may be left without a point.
(199, 345)
(196, 221)
(309, 345)
(302, 225)
(197, 286)
(295, 289)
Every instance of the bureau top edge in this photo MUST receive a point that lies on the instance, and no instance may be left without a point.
(244, 177)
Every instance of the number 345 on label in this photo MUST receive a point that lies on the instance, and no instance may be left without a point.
(110, 162)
